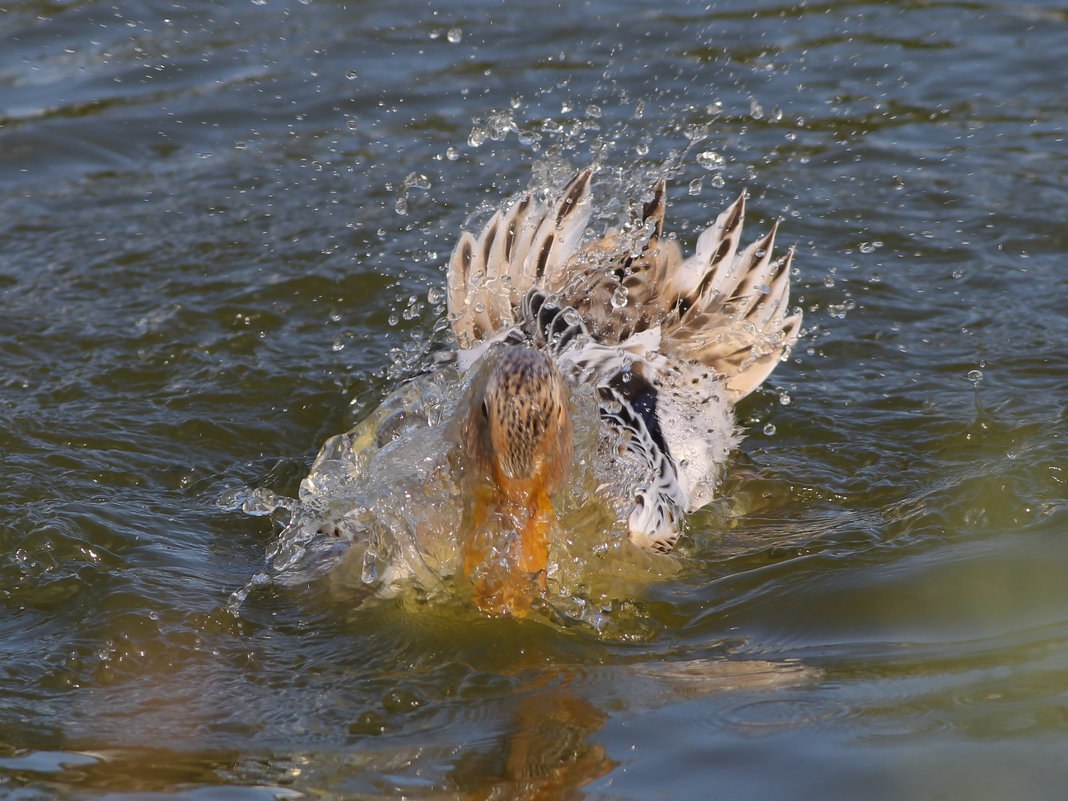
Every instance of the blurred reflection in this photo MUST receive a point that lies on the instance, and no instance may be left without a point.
(548, 755)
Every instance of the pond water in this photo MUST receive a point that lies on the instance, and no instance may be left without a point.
(222, 238)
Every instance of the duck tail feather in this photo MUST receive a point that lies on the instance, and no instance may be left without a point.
(466, 272)
(730, 310)
(558, 233)
(489, 276)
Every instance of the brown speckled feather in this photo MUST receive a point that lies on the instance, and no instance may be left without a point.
(699, 332)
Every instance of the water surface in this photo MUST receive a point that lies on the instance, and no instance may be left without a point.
(223, 237)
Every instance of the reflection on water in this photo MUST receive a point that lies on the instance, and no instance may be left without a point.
(549, 756)
(544, 742)
(223, 234)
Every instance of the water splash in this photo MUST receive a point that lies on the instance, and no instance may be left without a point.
(413, 180)
(982, 420)
(381, 515)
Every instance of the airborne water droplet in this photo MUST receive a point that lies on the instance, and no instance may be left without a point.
(620, 297)
(477, 136)
(711, 160)
(369, 573)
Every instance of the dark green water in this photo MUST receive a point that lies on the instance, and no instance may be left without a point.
(222, 238)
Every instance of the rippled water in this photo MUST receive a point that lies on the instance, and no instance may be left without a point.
(223, 231)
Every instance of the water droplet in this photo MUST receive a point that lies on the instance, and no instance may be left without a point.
(352, 75)
(839, 310)
(393, 318)
(455, 35)
(769, 429)
(975, 376)
(711, 160)
(530, 139)
(452, 154)
(756, 111)
(695, 133)
(369, 573)
(620, 297)
(695, 187)
(417, 180)
(477, 136)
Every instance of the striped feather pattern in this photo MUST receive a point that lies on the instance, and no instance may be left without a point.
(697, 334)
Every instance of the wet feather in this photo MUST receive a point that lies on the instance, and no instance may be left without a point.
(669, 344)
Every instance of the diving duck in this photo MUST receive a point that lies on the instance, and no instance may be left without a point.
(592, 377)
(667, 345)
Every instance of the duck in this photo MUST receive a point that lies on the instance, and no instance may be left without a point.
(666, 344)
(546, 461)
